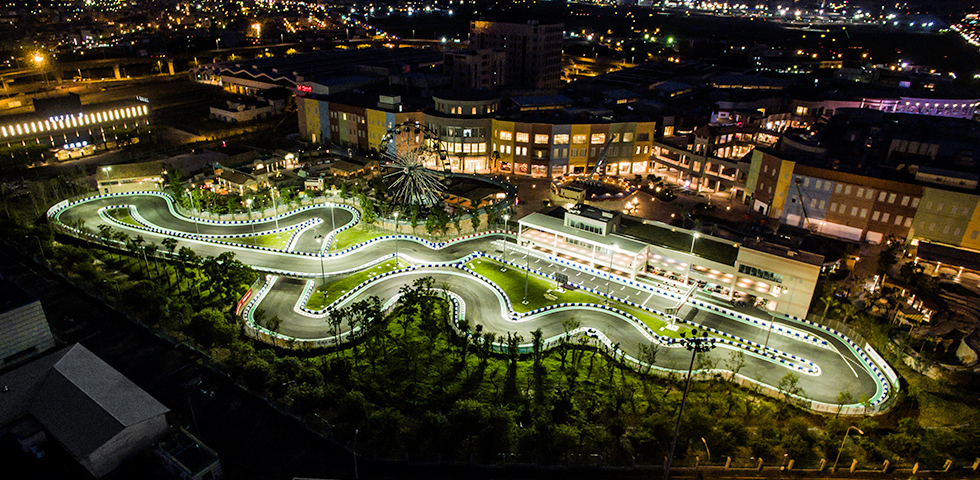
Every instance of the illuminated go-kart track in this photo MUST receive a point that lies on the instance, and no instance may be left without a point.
(616, 311)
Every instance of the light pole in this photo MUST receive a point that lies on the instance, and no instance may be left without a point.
(527, 271)
(396, 239)
(503, 268)
(275, 209)
(319, 253)
(41, 248)
(249, 202)
(107, 177)
(197, 227)
(706, 448)
(355, 455)
(841, 449)
(612, 252)
(690, 264)
(696, 344)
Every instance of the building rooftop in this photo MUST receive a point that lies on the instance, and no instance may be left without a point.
(81, 400)
(679, 239)
(785, 252)
(13, 296)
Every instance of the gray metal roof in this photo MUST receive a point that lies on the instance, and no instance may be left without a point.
(81, 400)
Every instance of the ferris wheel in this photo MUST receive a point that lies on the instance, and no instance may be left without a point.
(408, 151)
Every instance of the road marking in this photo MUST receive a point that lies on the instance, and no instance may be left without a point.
(846, 362)
(648, 299)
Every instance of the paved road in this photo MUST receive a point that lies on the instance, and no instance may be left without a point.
(840, 369)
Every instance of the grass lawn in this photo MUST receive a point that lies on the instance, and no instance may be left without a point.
(512, 283)
(122, 215)
(355, 235)
(326, 294)
(271, 240)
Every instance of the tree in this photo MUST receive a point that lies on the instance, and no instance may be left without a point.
(888, 256)
(211, 328)
(475, 220)
(789, 386)
(843, 398)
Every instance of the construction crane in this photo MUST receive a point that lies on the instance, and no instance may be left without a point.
(600, 162)
(799, 194)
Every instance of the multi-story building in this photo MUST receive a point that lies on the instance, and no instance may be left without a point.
(779, 278)
(479, 138)
(484, 68)
(533, 51)
(65, 125)
(551, 149)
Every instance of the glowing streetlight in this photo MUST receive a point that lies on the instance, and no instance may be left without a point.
(834, 468)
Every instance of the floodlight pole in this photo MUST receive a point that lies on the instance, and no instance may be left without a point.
(319, 253)
(696, 344)
(527, 271)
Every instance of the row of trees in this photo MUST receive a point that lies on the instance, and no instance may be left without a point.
(413, 385)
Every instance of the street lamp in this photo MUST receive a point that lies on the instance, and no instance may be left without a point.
(197, 227)
(705, 442)
(612, 252)
(107, 177)
(503, 268)
(396, 239)
(41, 248)
(319, 238)
(696, 344)
(355, 455)
(690, 264)
(275, 209)
(249, 202)
(527, 271)
(834, 468)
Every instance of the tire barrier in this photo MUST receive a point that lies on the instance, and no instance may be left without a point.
(793, 362)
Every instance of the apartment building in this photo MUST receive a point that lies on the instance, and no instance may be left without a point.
(533, 51)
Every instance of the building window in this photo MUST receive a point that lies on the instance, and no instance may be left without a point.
(847, 190)
(505, 135)
(860, 192)
(760, 273)
(854, 211)
(875, 216)
(884, 217)
(561, 139)
(898, 219)
(915, 203)
(806, 182)
(540, 139)
(891, 198)
(833, 207)
(522, 137)
(838, 189)
(598, 138)
(905, 200)
(578, 138)
(881, 196)
(628, 136)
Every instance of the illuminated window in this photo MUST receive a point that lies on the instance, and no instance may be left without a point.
(522, 137)
(628, 137)
(4, 130)
(578, 139)
(540, 139)
(598, 138)
(505, 135)
(561, 139)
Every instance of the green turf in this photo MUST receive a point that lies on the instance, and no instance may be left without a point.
(122, 215)
(355, 235)
(326, 294)
(269, 240)
(512, 283)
